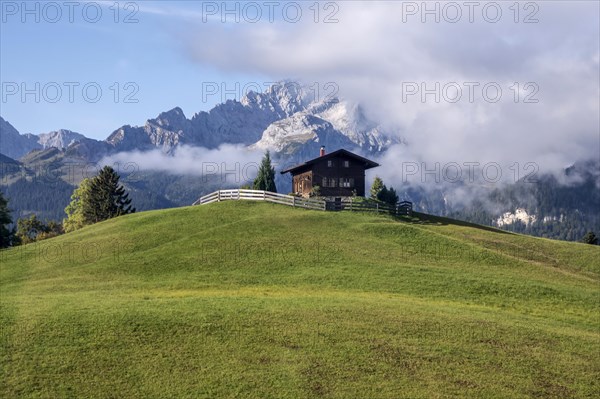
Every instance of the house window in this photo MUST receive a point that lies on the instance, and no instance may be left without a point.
(330, 164)
(346, 182)
(324, 182)
(346, 164)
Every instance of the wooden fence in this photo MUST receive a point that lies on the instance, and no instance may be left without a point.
(403, 208)
(258, 195)
(364, 205)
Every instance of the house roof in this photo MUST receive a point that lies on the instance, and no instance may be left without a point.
(367, 162)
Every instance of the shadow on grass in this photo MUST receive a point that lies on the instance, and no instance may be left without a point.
(425, 219)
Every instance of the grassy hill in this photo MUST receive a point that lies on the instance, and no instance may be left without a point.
(256, 300)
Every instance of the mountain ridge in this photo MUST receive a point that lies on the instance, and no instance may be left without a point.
(293, 125)
(250, 122)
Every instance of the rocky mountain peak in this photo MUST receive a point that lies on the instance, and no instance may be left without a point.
(285, 116)
(14, 145)
(60, 139)
(282, 98)
(172, 120)
(169, 129)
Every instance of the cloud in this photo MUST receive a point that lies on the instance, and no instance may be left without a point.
(230, 163)
(378, 51)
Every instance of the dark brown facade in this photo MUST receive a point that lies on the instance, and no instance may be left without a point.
(338, 174)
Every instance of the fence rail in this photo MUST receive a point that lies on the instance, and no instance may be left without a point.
(403, 208)
(258, 195)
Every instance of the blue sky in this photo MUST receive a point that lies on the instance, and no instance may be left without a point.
(373, 51)
(146, 53)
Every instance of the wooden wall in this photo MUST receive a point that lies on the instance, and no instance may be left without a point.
(321, 170)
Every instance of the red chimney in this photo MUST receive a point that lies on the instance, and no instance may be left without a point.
(322, 151)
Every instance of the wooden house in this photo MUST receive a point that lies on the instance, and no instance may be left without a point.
(337, 174)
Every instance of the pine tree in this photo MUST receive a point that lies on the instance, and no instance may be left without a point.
(5, 220)
(590, 238)
(383, 194)
(376, 187)
(265, 180)
(392, 197)
(380, 192)
(107, 199)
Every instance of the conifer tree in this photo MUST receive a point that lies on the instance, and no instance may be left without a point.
(391, 197)
(265, 180)
(590, 238)
(5, 220)
(107, 198)
(380, 192)
(376, 187)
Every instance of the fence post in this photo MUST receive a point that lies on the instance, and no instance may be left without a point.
(377, 207)
(264, 195)
(219, 196)
(294, 201)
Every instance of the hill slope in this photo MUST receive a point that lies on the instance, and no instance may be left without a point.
(258, 300)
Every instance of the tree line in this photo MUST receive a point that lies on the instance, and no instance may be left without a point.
(102, 197)
(381, 193)
(96, 199)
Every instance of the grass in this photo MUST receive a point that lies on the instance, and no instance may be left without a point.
(257, 300)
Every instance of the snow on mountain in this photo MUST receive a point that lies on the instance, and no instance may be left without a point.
(350, 120)
(286, 118)
(334, 124)
(300, 137)
(551, 219)
(245, 121)
(283, 118)
(232, 122)
(520, 215)
(283, 99)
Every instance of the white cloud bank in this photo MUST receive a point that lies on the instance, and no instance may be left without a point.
(377, 50)
(230, 163)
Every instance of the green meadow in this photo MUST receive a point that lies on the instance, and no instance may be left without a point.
(256, 300)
